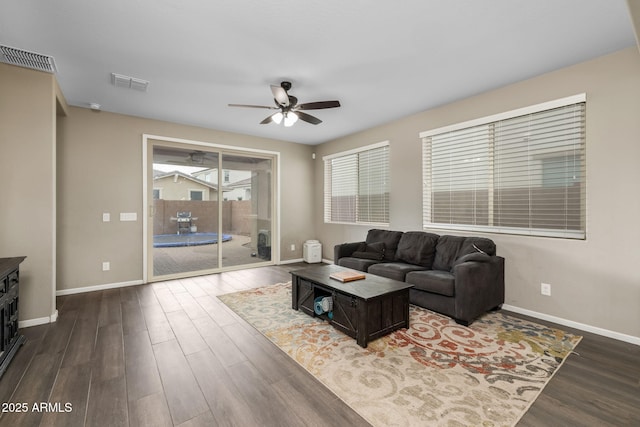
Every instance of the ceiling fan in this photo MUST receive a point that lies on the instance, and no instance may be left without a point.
(289, 109)
(194, 158)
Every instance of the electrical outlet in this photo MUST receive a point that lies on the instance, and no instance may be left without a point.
(293, 247)
(545, 289)
(106, 217)
(106, 266)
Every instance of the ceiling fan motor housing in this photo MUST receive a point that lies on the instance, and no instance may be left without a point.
(285, 85)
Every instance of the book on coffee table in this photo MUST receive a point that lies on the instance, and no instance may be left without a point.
(347, 276)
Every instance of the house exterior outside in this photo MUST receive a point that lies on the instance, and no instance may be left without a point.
(239, 190)
(180, 186)
(237, 182)
(175, 192)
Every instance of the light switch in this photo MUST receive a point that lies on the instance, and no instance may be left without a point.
(128, 216)
(106, 217)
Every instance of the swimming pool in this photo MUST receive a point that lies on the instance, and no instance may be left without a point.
(187, 239)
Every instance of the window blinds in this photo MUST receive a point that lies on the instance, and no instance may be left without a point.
(357, 186)
(523, 174)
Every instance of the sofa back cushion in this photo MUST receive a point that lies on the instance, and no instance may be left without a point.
(374, 251)
(417, 247)
(447, 251)
(390, 240)
(450, 248)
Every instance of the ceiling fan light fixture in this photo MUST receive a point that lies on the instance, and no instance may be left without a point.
(290, 110)
(290, 118)
(277, 117)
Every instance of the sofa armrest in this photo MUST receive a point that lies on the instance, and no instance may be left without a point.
(479, 287)
(345, 250)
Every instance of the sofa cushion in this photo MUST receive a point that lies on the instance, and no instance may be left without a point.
(360, 264)
(417, 247)
(394, 270)
(373, 251)
(434, 281)
(389, 238)
(447, 251)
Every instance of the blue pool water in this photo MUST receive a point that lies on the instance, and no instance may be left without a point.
(187, 239)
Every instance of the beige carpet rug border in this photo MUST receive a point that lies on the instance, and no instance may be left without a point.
(434, 373)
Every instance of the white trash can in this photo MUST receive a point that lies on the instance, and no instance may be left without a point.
(312, 251)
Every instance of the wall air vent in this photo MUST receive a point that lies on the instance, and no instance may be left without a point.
(139, 84)
(23, 58)
(120, 80)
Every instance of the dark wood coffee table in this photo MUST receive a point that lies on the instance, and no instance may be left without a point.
(363, 309)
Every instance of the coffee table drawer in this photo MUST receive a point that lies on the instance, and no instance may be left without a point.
(306, 296)
(345, 314)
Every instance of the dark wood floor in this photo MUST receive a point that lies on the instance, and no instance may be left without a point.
(171, 353)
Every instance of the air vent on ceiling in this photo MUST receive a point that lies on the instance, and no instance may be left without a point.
(23, 58)
(120, 80)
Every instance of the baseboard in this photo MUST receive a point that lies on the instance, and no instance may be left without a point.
(291, 261)
(62, 292)
(38, 321)
(570, 323)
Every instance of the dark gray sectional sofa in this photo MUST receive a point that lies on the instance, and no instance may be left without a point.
(461, 277)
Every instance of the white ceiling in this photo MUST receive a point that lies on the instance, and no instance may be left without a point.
(383, 60)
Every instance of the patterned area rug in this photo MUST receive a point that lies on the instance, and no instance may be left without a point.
(434, 373)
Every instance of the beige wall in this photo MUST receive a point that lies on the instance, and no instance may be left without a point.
(595, 282)
(100, 163)
(27, 167)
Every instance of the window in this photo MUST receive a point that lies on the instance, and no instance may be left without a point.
(196, 194)
(520, 172)
(157, 193)
(356, 186)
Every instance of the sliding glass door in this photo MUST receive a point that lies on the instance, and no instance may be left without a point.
(247, 208)
(209, 209)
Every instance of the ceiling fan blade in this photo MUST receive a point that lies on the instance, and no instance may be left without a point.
(308, 118)
(318, 105)
(252, 106)
(268, 119)
(280, 95)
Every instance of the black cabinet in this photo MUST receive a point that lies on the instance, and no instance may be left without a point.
(10, 338)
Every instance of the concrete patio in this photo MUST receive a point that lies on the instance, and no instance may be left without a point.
(237, 251)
